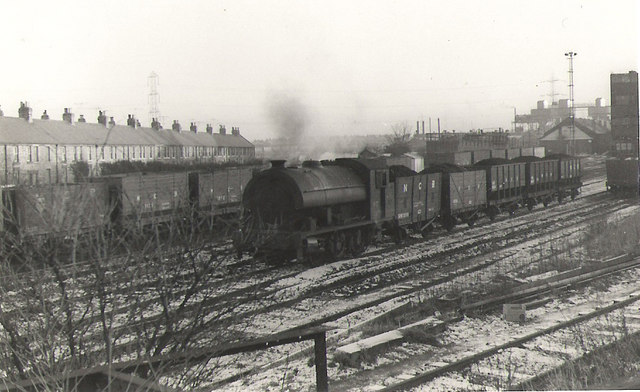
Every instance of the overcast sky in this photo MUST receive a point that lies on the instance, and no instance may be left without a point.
(336, 67)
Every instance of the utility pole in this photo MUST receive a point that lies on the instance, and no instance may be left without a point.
(572, 142)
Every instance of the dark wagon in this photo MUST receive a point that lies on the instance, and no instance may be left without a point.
(463, 194)
(146, 198)
(505, 185)
(54, 209)
(622, 176)
(218, 193)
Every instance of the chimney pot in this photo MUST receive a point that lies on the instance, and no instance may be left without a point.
(131, 121)
(102, 119)
(81, 119)
(193, 128)
(24, 111)
(209, 129)
(67, 115)
(155, 124)
(176, 126)
(223, 130)
(44, 116)
(112, 122)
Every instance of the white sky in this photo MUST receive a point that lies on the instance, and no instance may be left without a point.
(352, 67)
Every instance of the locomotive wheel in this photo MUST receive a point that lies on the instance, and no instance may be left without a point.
(399, 235)
(337, 245)
(357, 243)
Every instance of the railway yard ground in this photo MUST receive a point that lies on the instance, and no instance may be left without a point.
(427, 314)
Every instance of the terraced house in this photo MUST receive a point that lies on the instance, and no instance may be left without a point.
(35, 151)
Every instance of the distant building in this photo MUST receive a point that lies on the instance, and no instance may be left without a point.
(588, 137)
(545, 116)
(34, 151)
(624, 114)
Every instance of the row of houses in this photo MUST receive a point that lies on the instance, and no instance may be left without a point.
(35, 151)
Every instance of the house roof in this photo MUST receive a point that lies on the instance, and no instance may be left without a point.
(584, 130)
(18, 131)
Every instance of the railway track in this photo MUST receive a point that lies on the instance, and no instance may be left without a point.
(518, 353)
(277, 286)
(348, 279)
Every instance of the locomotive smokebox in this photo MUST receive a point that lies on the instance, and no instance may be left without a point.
(277, 163)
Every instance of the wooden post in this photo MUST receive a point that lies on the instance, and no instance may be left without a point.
(322, 380)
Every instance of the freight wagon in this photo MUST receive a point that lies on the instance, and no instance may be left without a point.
(118, 201)
(36, 211)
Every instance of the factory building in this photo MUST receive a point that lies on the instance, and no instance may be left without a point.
(36, 151)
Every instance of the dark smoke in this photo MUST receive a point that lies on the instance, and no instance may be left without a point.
(289, 116)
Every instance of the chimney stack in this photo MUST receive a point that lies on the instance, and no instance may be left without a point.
(1, 113)
(193, 128)
(131, 121)
(155, 124)
(67, 115)
(235, 131)
(112, 122)
(102, 119)
(223, 130)
(81, 119)
(44, 116)
(24, 111)
(176, 126)
(209, 129)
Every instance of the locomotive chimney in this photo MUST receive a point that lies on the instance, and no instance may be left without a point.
(311, 163)
(277, 163)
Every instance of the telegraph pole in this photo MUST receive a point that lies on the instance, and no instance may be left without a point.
(570, 56)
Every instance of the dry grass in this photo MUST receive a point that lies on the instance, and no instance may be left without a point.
(604, 239)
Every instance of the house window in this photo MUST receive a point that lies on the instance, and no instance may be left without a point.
(49, 154)
(16, 155)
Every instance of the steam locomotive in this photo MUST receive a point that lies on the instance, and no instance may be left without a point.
(337, 208)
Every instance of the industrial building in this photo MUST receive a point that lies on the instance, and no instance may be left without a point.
(585, 137)
(36, 151)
